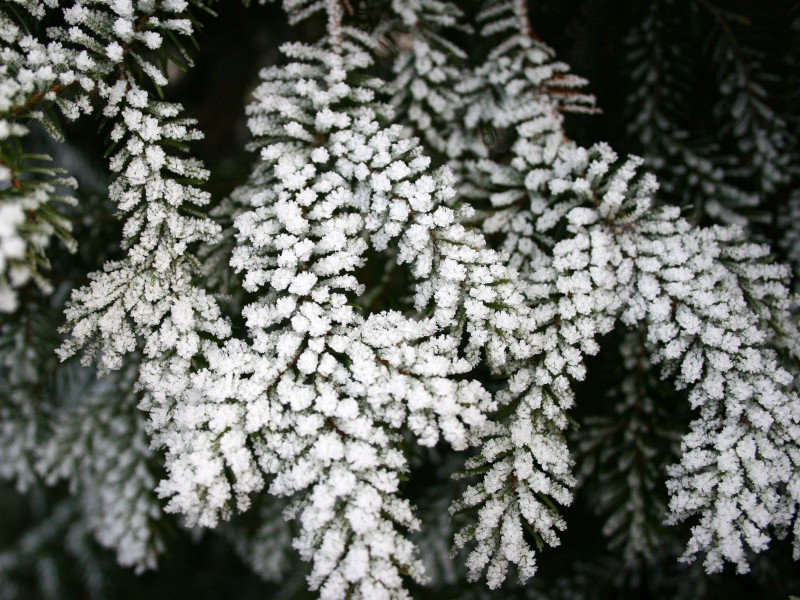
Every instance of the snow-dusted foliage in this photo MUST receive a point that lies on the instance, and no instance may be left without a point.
(30, 71)
(582, 228)
(98, 49)
(419, 257)
(318, 394)
(114, 483)
(427, 74)
(623, 453)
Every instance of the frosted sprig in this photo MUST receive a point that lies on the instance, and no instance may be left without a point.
(598, 272)
(739, 462)
(99, 50)
(133, 296)
(318, 394)
(100, 41)
(622, 454)
(299, 10)
(427, 69)
(692, 287)
(519, 68)
(375, 310)
(149, 293)
(114, 483)
(573, 289)
(30, 190)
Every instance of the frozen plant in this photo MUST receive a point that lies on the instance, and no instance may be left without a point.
(419, 270)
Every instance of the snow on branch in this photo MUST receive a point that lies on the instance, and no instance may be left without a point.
(582, 228)
(688, 285)
(318, 395)
(516, 250)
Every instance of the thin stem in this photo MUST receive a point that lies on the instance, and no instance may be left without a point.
(335, 15)
(523, 22)
(38, 96)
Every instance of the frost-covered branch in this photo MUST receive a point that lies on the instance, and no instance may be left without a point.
(114, 483)
(318, 394)
(695, 175)
(582, 228)
(364, 293)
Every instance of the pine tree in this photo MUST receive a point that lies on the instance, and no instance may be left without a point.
(423, 319)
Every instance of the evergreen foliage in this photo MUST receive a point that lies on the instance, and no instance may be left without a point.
(432, 336)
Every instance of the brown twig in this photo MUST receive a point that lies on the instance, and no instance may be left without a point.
(36, 98)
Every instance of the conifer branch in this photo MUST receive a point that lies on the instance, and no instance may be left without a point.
(368, 304)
